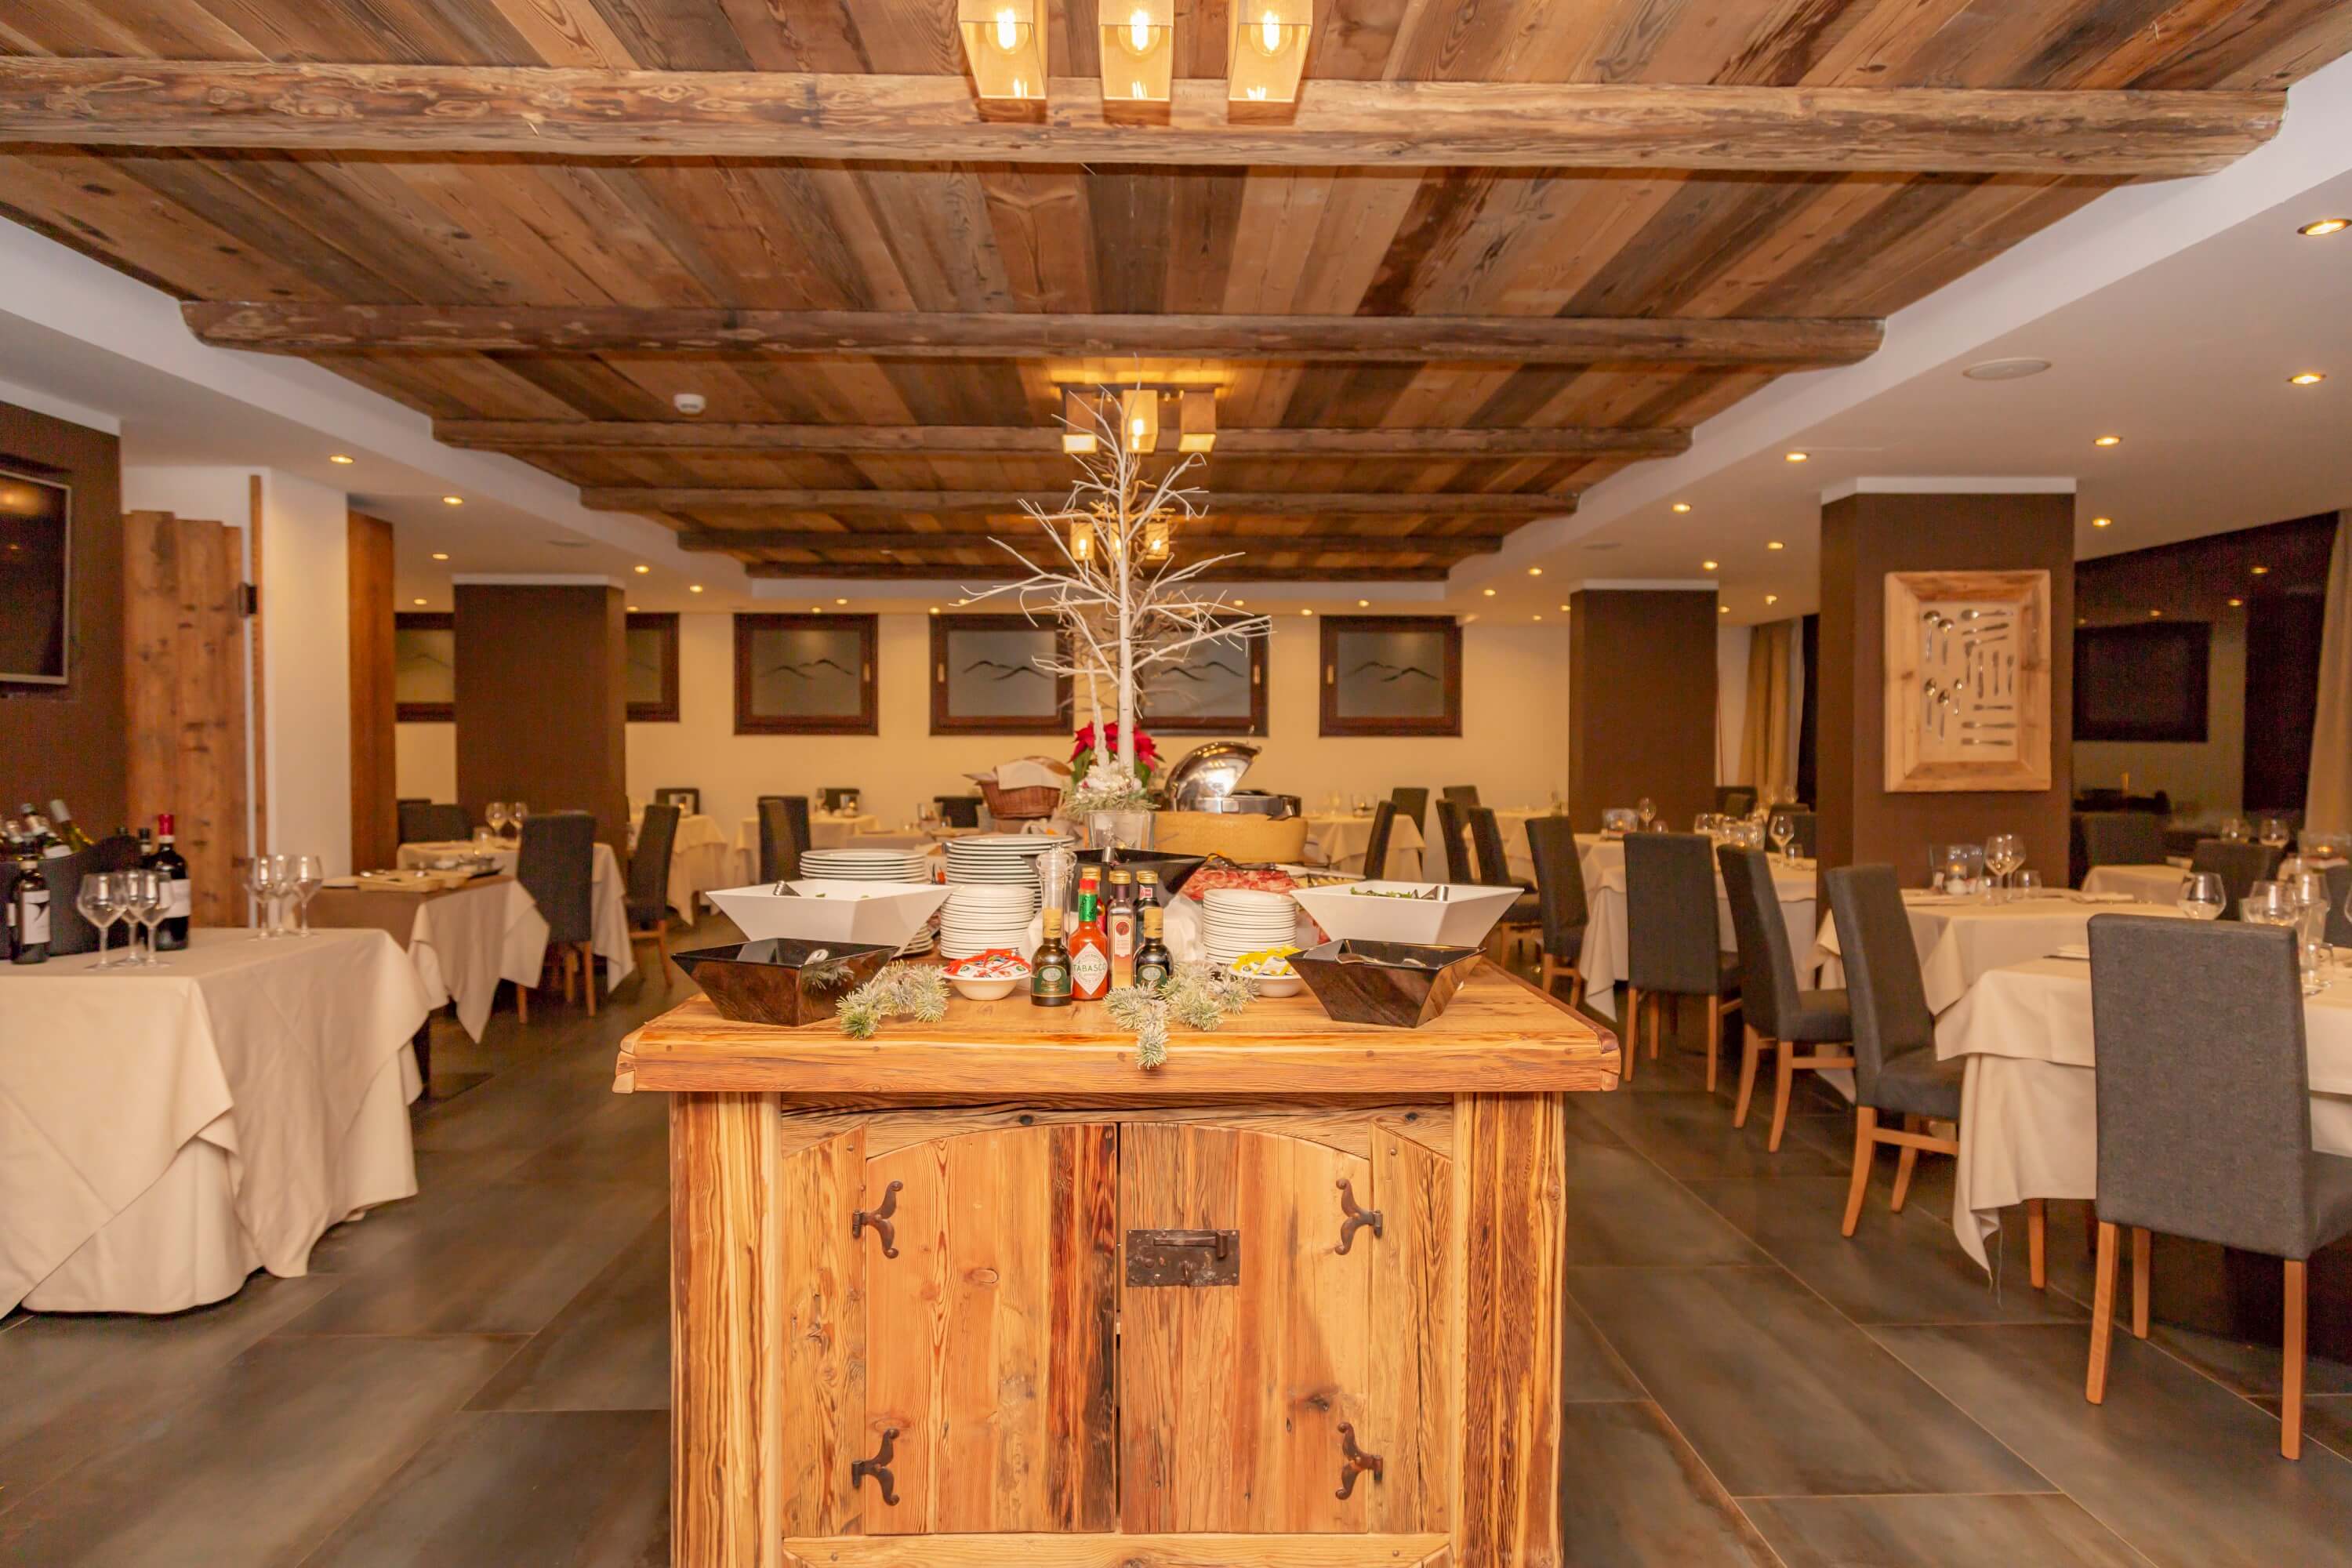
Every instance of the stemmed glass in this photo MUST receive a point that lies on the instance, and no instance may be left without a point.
(309, 877)
(1783, 829)
(96, 900)
(2274, 834)
(261, 883)
(495, 815)
(1647, 810)
(2201, 896)
(149, 899)
(2004, 853)
(2268, 904)
(516, 811)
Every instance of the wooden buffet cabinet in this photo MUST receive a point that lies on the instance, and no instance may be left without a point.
(984, 1293)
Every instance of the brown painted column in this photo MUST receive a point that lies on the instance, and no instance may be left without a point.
(375, 830)
(1640, 705)
(540, 700)
(1871, 527)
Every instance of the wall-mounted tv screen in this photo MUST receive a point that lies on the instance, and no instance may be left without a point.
(35, 584)
(2141, 682)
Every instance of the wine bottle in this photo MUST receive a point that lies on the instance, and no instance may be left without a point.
(67, 829)
(173, 933)
(28, 914)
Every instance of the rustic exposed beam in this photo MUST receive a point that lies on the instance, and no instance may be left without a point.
(1014, 440)
(901, 541)
(1234, 572)
(1229, 504)
(1770, 342)
(580, 112)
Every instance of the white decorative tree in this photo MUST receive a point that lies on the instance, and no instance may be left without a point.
(1124, 604)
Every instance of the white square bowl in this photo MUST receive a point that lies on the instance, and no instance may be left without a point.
(1461, 917)
(884, 913)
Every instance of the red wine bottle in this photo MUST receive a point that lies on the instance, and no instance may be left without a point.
(173, 933)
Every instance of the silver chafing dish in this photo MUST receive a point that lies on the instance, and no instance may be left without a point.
(1206, 779)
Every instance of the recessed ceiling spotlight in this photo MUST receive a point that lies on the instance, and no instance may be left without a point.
(2106, 440)
(2152, 615)
(934, 609)
(964, 601)
(1563, 609)
(416, 601)
(2261, 571)
(632, 609)
(1708, 565)
(816, 609)
(1774, 544)
(690, 403)
(2237, 604)
(841, 601)
(1798, 457)
(1306, 612)
(1681, 506)
(2103, 522)
(340, 457)
(1723, 609)
(2307, 378)
(2014, 369)
(453, 500)
(642, 569)
(1771, 598)
(1363, 603)
(440, 555)
(1535, 571)
(2324, 227)
(1490, 592)
(1540, 617)
(694, 587)
(1238, 603)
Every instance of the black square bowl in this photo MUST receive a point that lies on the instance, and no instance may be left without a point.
(1400, 983)
(783, 980)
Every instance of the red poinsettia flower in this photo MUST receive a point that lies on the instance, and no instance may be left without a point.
(1146, 750)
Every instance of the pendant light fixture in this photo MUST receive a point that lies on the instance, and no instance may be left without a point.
(1269, 50)
(1139, 418)
(1196, 420)
(1078, 423)
(1005, 48)
(1139, 50)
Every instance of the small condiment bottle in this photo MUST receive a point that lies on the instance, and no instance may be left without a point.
(1089, 950)
(1049, 970)
(1119, 925)
(1154, 967)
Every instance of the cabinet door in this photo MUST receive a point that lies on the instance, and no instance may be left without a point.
(989, 1337)
(1231, 1396)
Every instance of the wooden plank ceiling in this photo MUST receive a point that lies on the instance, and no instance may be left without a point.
(509, 252)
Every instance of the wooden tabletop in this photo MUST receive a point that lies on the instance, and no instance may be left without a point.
(1500, 1035)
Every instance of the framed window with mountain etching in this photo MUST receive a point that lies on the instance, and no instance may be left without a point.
(423, 667)
(805, 675)
(986, 678)
(653, 668)
(1217, 689)
(1392, 675)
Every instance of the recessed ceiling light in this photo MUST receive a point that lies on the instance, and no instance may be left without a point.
(641, 570)
(1563, 609)
(1706, 565)
(2261, 571)
(1238, 603)
(416, 601)
(841, 601)
(1774, 544)
(1490, 592)
(1306, 612)
(2325, 226)
(934, 609)
(2237, 604)
(2154, 614)
(1363, 603)
(1540, 617)
(1771, 598)
(453, 500)
(340, 457)
(440, 555)
(1681, 506)
(816, 609)
(1723, 609)
(2107, 441)
(1798, 456)
(632, 609)
(2307, 378)
(1535, 571)
(964, 601)
(694, 587)
(2103, 522)
(2016, 369)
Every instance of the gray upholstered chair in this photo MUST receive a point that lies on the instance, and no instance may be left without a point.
(1412, 805)
(2205, 1115)
(1735, 800)
(1452, 845)
(781, 840)
(1524, 918)
(1559, 899)
(1461, 795)
(1672, 937)
(648, 899)
(2240, 863)
(423, 822)
(1895, 1073)
(556, 864)
(409, 813)
(2122, 838)
(1376, 843)
(2339, 919)
(1776, 1012)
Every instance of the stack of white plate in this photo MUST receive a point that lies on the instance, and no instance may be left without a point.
(875, 866)
(979, 916)
(1235, 920)
(1000, 857)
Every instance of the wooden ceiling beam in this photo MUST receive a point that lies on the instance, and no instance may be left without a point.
(1013, 440)
(1268, 503)
(725, 540)
(1237, 572)
(1775, 343)
(582, 112)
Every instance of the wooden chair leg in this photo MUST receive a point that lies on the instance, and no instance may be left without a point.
(1750, 1046)
(2102, 1315)
(2037, 1242)
(1575, 988)
(2141, 1262)
(1784, 1083)
(1657, 1006)
(522, 1003)
(1907, 1162)
(588, 976)
(1714, 1038)
(1866, 1128)
(1629, 1036)
(2291, 1364)
(661, 940)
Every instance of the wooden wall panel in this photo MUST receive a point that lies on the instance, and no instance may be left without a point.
(184, 637)
(1640, 705)
(543, 700)
(71, 741)
(375, 830)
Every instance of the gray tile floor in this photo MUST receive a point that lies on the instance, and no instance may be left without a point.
(479, 1376)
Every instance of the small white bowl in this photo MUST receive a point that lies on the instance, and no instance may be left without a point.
(985, 990)
(1279, 985)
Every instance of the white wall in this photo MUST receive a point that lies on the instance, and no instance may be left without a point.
(1513, 744)
(2204, 776)
(424, 762)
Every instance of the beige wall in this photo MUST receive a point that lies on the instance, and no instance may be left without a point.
(2204, 776)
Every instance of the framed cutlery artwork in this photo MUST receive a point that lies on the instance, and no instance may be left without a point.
(1967, 680)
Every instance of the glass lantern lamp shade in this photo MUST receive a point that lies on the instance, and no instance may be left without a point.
(1139, 50)
(1269, 50)
(1139, 418)
(1082, 541)
(1196, 420)
(1005, 48)
(1156, 539)
(1077, 424)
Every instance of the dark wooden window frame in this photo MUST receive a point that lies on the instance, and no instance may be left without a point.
(666, 711)
(866, 721)
(944, 722)
(1255, 723)
(1327, 677)
(424, 712)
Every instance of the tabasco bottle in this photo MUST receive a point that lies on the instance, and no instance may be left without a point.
(1119, 925)
(1049, 970)
(1089, 948)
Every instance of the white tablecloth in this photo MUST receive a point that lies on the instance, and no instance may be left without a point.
(1511, 822)
(700, 858)
(1602, 962)
(2029, 1103)
(462, 943)
(165, 1132)
(1960, 939)
(1341, 841)
(2147, 884)
(608, 914)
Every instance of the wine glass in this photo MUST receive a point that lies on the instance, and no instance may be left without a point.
(1647, 810)
(2268, 903)
(2004, 853)
(497, 817)
(2201, 896)
(257, 883)
(2273, 834)
(309, 875)
(149, 896)
(2029, 884)
(95, 899)
(2236, 830)
(1783, 829)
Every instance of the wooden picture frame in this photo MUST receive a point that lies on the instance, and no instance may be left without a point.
(1967, 681)
(990, 657)
(411, 652)
(845, 645)
(1389, 648)
(653, 698)
(1235, 705)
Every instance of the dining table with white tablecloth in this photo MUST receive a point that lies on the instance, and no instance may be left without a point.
(2029, 1099)
(1961, 936)
(1603, 963)
(700, 858)
(2144, 884)
(1339, 839)
(608, 908)
(166, 1130)
(462, 941)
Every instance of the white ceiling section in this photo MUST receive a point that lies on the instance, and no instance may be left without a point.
(2172, 315)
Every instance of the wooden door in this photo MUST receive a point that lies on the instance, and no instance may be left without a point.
(989, 1338)
(1231, 1397)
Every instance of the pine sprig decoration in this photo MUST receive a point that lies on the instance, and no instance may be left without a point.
(901, 990)
(1199, 996)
